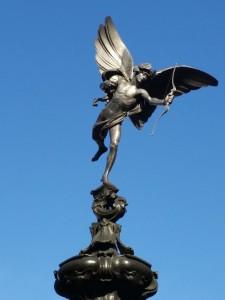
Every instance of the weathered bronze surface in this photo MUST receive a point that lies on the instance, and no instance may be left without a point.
(108, 269)
(133, 91)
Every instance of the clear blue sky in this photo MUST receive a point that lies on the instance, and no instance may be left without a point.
(174, 181)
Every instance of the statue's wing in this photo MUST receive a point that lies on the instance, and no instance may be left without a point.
(111, 52)
(183, 78)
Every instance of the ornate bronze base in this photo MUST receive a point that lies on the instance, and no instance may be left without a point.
(113, 277)
(106, 269)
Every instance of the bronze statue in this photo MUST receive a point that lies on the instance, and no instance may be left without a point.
(107, 268)
(133, 91)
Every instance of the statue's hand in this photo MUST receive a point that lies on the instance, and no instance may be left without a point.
(169, 98)
(95, 102)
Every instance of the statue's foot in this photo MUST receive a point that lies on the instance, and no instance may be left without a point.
(107, 183)
(100, 151)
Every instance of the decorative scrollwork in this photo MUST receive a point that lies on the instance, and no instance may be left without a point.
(107, 204)
(106, 240)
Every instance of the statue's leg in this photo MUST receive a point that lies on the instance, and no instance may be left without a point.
(101, 149)
(114, 133)
(99, 137)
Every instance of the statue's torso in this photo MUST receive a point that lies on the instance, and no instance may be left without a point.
(125, 97)
(124, 100)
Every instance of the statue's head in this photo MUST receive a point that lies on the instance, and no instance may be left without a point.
(110, 80)
(108, 86)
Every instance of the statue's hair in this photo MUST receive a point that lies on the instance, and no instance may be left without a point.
(108, 74)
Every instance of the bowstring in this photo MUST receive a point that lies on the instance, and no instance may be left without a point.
(166, 106)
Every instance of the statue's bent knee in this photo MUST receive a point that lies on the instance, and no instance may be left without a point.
(113, 146)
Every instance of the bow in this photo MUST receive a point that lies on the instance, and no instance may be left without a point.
(167, 105)
(173, 83)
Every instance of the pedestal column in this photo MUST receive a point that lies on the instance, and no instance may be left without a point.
(107, 269)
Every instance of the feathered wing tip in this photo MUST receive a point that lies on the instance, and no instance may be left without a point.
(111, 52)
(185, 78)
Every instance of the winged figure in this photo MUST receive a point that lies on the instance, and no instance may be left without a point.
(133, 91)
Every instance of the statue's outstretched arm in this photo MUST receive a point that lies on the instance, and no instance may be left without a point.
(101, 99)
(155, 101)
